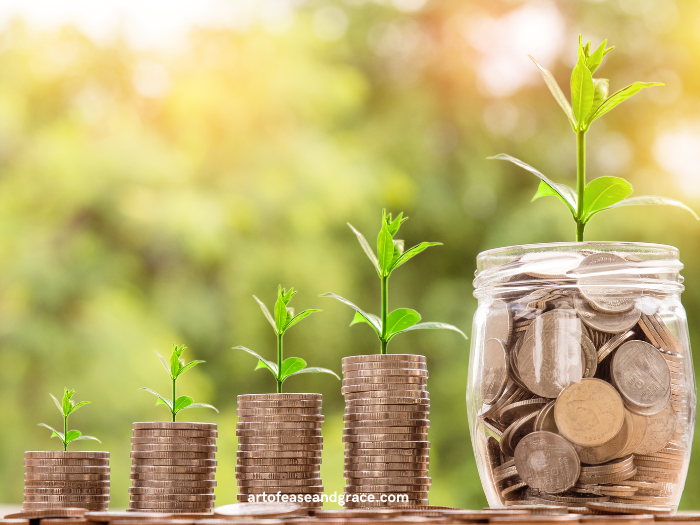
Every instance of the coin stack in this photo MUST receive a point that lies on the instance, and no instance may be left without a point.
(66, 479)
(386, 429)
(173, 467)
(584, 386)
(279, 448)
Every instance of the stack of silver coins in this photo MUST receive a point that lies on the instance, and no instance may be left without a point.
(279, 448)
(386, 430)
(173, 467)
(585, 390)
(66, 479)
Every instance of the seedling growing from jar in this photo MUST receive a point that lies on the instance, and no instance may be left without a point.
(589, 102)
(390, 255)
(282, 321)
(175, 369)
(66, 407)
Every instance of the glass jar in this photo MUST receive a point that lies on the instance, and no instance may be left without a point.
(581, 384)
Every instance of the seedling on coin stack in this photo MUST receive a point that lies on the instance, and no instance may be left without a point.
(173, 463)
(581, 389)
(66, 478)
(175, 368)
(387, 405)
(279, 435)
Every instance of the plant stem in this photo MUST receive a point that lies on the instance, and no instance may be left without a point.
(385, 308)
(580, 182)
(279, 362)
(174, 398)
(65, 433)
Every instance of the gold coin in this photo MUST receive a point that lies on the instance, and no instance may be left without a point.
(589, 413)
(659, 431)
(610, 449)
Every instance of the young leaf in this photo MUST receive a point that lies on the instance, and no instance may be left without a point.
(87, 437)
(67, 394)
(200, 405)
(189, 365)
(315, 370)
(366, 247)
(400, 319)
(556, 91)
(620, 96)
(281, 314)
(594, 59)
(174, 363)
(290, 366)
(165, 364)
(603, 192)
(396, 223)
(56, 433)
(72, 435)
(78, 405)
(601, 86)
(359, 318)
(412, 252)
(398, 251)
(58, 404)
(161, 400)
(653, 199)
(385, 249)
(182, 402)
(301, 315)
(267, 313)
(435, 326)
(262, 363)
(372, 320)
(582, 90)
(566, 194)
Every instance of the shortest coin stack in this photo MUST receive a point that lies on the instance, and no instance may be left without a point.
(66, 479)
(173, 467)
(279, 448)
(386, 430)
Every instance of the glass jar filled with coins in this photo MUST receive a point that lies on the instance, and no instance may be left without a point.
(581, 384)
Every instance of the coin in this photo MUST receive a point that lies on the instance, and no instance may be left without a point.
(545, 418)
(613, 343)
(622, 508)
(66, 477)
(174, 462)
(49, 462)
(385, 358)
(515, 432)
(280, 439)
(365, 431)
(389, 445)
(273, 484)
(283, 462)
(375, 365)
(283, 447)
(315, 432)
(514, 411)
(499, 323)
(373, 394)
(495, 371)
(156, 476)
(281, 418)
(600, 283)
(385, 380)
(547, 462)
(281, 403)
(47, 514)
(384, 423)
(396, 415)
(640, 374)
(388, 401)
(257, 510)
(589, 413)
(46, 469)
(388, 459)
(266, 453)
(365, 466)
(377, 437)
(172, 447)
(386, 408)
(62, 455)
(660, 429)
(254, 426)
(613, 324)
(595, 455)
(398, 372)
(173, 470)
(171, 425)
(169, 432)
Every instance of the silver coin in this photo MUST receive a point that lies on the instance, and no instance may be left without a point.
(612, 324)
(640, 374)
(498, 323)
(547, 462)
(599, 282)
(495, 371)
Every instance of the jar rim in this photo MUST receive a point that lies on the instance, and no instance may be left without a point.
(651, 248)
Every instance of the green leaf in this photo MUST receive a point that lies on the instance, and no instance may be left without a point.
(78, 405)
(594, 59)
(396, 223)
(435, 326)
(200, 405)
(267, 313)
(174, 363)
(603, 192)
(652, 200)
(620, 96)
(315, 370)
(58, 404)
(179, 350)
(556, 91)
(566, 194)
(582, 90)
(72, 435)
(165, 364)
(398, 251)
(385, 249)
(67, 394)
(161, 400)
(56, 433)
(290, 366)
(87, 437)
(301, 315)
(400, 319)
(601, 86)
(371, 319)
(366, 247)
(262, 363)
(281, 314)
(412, 252)
(182, 402)
(189, 365)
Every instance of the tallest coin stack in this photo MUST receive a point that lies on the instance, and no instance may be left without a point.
(386, 427)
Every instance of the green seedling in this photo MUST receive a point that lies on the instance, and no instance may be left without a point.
(175, 369)
(390, 255)
(590, 101)
(282, 321)
(67, 407)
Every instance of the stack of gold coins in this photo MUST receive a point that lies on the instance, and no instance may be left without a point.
(173, 467)
(66, 479)
(279, 448)
(386, 428)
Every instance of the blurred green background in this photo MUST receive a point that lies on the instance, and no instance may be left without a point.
(153, 179)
